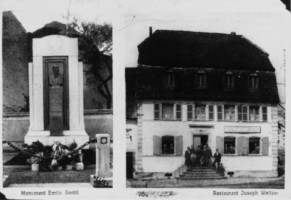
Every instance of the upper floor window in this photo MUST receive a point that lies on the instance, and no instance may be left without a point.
(200, 112)
(264, 114)
(229, 113)
(169, 79)
(242, 113)
(229, 80)
(210, 113)
(167, 111)
(254, 81)
(201, 79)
(254, 113)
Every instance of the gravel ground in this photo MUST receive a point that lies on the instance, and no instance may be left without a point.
(277, 183)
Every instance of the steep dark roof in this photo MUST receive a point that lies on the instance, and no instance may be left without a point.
(187, 49)
(146, 83)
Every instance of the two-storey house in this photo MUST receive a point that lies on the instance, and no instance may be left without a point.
(194, 88)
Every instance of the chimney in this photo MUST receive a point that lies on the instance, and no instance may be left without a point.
(151, 31)
(232, 33)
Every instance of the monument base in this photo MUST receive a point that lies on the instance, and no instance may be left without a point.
(80, 137)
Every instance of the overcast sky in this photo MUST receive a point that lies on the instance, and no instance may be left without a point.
(265, 22)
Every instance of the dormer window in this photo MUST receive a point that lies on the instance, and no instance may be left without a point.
(254, 81)
(229, 80)
(201, 79)
(169, 79)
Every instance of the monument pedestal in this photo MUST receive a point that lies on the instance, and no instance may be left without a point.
(56, 92)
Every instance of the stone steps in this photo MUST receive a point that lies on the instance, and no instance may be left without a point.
(201, 173)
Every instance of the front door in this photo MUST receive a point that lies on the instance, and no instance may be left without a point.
(200, 140)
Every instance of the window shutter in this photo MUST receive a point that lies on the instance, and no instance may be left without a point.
(178, 112)
(179, 145)
(242, 145)
(210, 113)
(219, 144)
(239, 113)
(157, 111)
(219, 112)
(265, 114)
(265, 145)
(157, 145)
(189, 112)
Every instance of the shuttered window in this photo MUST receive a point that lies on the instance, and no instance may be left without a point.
(157, 111)
(219, 112)
(157, 145)
(167, 145)
(254, 145)
(210, 113)
(189, 112)
(264, 114)
(229, 145)
(178, 112)
(265, 145)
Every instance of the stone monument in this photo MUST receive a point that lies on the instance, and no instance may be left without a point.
(56, 92)
(102, 155)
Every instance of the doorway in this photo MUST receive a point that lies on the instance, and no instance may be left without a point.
(200, 140)
(129, 165)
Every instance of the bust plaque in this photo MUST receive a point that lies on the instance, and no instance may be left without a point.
(55, 95)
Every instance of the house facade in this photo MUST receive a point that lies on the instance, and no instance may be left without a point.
(193, 88)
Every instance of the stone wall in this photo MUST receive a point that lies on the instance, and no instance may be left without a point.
(15, 127)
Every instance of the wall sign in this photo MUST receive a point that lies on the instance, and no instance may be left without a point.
(242, 129)
(200, 131)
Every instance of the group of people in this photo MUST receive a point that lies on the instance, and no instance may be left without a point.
(201, 156)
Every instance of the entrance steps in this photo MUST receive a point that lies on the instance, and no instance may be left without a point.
(201, 173)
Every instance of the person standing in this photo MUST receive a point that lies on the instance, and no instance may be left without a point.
(217, 159)
(188, 157)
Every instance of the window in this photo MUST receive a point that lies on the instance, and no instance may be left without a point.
(229, 145)
(178, 112)
(229, 113)
(229, 80)
(200, 113)
(219, 112)
(254, 145)
(190, 112)
(167, 145)
(169, 79)
(264, 114)
(210, 113)
(157, 111)
(254, 81)
(201, 79)
(167, 111)
(254, 113)
(242, 113)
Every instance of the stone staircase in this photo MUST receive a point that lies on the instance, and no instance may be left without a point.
(201, 173)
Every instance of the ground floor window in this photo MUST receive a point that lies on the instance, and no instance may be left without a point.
(167, 145)
(254, 145)
(229, 145)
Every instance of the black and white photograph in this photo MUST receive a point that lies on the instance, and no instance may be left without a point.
(205, 97)
(57, 95)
